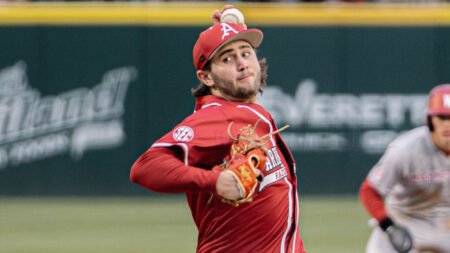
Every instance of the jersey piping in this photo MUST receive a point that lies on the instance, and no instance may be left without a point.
(296, 225)
(209, 105)
(289, 220)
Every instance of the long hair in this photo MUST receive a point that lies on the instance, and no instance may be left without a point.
(203, 90)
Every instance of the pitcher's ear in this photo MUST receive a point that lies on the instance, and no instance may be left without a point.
(205, 77)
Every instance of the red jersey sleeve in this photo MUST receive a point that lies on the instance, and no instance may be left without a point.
(161, 170)
(372, 201)
(181, 160)
(202, 138)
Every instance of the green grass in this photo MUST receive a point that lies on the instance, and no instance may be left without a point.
(110, 225)
(333, 225)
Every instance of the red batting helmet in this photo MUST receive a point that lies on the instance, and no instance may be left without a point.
(439, 100)
(219, 35)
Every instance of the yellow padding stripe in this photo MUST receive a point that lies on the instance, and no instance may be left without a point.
(198, 14)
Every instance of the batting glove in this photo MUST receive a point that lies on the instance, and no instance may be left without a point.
(399, 236)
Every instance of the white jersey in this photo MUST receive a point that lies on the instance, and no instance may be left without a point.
(414, 177)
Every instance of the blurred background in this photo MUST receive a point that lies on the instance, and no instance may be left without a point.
(86, 87)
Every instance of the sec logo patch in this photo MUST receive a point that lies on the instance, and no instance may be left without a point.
(183, 134)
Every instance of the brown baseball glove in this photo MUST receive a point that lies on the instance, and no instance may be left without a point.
(247, 154)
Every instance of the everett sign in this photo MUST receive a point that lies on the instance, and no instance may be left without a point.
(337, 122)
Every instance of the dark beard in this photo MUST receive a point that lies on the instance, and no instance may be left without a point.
(240, 93)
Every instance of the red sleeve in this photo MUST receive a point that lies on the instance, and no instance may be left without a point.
(161, 170)
(372, 201)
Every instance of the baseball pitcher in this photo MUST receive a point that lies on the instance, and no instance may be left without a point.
(228, 156)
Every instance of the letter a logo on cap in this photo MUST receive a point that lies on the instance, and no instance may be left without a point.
(226, 29)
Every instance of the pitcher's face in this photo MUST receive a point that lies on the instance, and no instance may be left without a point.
(236, 72)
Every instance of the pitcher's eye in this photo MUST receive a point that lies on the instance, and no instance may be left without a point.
(226, 59)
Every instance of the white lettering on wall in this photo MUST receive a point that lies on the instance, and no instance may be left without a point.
(328, 117)
(34, 127)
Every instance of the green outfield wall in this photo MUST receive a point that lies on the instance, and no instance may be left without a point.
(86, 88)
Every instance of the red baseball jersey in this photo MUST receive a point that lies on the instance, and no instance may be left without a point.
(270, 222)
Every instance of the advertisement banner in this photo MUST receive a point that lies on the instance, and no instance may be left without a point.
(79, 104)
